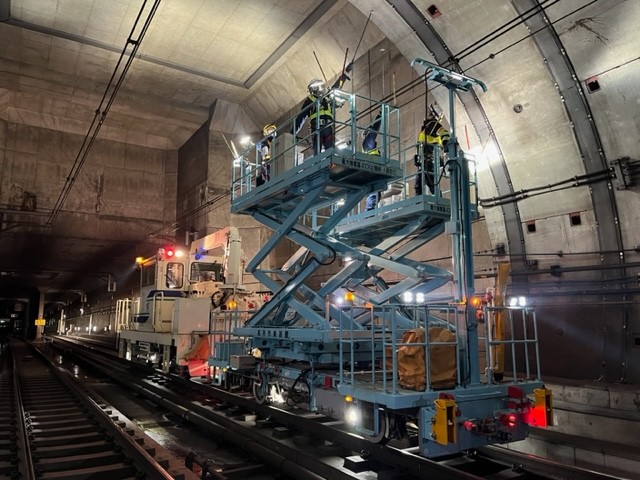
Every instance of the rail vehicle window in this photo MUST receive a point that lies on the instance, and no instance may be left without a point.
(175, 274)
(148, 276)
(201, 272)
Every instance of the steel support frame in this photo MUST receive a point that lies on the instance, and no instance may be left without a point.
(425, 32)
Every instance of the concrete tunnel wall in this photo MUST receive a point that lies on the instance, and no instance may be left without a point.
(124, 185)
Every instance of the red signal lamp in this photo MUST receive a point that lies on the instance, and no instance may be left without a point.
(509, 420)
(170, 252)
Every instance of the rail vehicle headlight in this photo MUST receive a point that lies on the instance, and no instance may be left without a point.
(276, 395)
(352, 415)
(518, 302)
(407, 297)
(153, 358)
(419, 297)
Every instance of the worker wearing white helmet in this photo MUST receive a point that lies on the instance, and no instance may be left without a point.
(317, 109)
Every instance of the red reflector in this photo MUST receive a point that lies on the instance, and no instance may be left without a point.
(537, 417)
(515, 392)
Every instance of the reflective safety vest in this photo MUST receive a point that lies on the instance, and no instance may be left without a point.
(375, 151)
(434, 133)
(324, 110)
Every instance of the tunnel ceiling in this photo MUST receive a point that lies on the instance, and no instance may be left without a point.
(563, 102)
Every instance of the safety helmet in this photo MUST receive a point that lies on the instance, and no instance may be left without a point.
(269, 129)
(317, 87)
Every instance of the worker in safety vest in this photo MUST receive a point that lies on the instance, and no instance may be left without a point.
(264, 149)
(370, 146)
(432, 135)
(318, 109)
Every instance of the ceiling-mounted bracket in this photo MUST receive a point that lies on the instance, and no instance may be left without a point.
(450, 79)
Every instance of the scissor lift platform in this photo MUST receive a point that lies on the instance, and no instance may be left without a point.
(337, 171)
(373, 226)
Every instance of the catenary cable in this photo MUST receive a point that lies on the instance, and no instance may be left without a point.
(102, 110)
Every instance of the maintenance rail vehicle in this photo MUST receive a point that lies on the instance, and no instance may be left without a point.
(352, 326)
(371, 343)
(182, 292)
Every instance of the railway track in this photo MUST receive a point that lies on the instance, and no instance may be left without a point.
(304, 445)
(57, 430)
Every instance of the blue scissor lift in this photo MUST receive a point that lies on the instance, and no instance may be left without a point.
(347, 356)
(304, 204)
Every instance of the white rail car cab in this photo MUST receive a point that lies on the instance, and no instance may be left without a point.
(179, 290)
(163, 279)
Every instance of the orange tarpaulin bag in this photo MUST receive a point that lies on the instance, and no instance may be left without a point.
(200, 351)
(442, 361)
(196, 358)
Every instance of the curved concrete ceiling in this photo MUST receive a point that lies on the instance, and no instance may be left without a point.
(561, 106)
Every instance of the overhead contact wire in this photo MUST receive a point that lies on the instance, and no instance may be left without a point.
(100, 114)
(494, 54)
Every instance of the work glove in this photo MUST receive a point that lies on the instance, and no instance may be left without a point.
(349, 67)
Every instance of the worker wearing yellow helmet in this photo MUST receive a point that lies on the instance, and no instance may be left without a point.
(264, 149)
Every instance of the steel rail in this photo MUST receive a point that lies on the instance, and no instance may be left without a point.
(384, 455)
(142, 460)
(541, 466)
(401, 460)
(25, 455)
